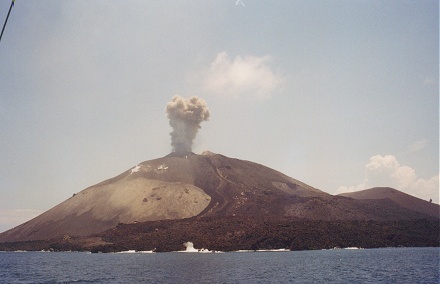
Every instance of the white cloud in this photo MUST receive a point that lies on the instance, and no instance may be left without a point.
(353, 188)
(386, 171)
(242, 76)
(10, 218)
(418, 145)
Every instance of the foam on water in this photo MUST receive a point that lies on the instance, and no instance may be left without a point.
(190, 248)
(135, 251)
(272, 250)
(127, 251)
(265, 250)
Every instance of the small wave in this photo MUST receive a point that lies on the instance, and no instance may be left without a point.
(127, 251)
(272, 250)
(136, 251)
(264, 250)
(190, 248)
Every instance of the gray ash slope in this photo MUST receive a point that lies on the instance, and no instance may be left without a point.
(188, 185)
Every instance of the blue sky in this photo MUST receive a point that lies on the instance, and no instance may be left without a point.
(342, 95)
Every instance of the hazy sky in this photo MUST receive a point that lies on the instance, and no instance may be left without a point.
(342, 95)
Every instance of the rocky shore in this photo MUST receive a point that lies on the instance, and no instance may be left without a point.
(245, 233)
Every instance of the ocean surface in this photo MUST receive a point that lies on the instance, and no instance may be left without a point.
(388, 265)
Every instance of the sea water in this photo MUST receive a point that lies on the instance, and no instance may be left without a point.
(388, 265)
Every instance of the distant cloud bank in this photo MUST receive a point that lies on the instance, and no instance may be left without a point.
(386, 171)
(242, 76)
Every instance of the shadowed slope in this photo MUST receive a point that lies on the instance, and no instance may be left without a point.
(405, 200)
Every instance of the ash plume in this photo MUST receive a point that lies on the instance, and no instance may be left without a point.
(185, 116)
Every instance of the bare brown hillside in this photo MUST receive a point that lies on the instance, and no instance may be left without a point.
(186, 185)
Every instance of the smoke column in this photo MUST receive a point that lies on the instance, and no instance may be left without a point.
(185, 116)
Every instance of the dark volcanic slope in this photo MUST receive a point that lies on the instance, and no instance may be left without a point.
(173, 187)
(403, 199)
(190, 185)
(235, 186)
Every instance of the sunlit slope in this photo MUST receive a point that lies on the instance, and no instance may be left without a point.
(128, 200)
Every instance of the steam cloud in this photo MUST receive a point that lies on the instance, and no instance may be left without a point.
(185, 116)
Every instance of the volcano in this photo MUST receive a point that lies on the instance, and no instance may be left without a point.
(206, 189)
